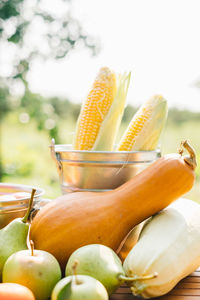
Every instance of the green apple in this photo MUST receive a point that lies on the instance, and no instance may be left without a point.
(37, 270)
(100, 262)
(79, 287)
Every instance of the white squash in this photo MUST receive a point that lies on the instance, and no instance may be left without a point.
(169, 245)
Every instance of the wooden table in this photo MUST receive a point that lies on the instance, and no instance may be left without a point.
(186, 289)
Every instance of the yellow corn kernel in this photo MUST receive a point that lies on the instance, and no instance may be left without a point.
(146, 126)
(94, 109)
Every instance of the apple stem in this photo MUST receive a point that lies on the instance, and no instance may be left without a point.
(25, 218)
(32, 247)
(74, 269)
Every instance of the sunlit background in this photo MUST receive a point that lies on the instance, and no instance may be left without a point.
(50, 53)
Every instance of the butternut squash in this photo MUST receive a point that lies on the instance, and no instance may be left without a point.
(82, 218)
(169, 245)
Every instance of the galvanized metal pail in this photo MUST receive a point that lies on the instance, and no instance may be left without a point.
(11, 209)
(98, 171)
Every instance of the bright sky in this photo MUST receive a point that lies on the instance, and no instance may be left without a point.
(157, 40)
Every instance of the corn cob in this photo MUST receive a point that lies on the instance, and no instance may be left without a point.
(93, 119)
(146, 126)
(94, 109)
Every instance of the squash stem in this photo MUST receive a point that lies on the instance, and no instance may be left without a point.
(135, 278)
(25, 218)
(191, 159)
(139, 289)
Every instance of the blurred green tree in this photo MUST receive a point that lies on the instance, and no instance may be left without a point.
(29, 31)
(35, 33)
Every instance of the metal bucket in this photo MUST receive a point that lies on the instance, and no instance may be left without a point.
(11, 209)
(98, 170)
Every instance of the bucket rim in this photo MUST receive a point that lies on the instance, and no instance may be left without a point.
(68, 148)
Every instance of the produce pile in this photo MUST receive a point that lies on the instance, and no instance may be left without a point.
(79, 236)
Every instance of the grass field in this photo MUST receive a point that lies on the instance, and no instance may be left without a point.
(27, 159)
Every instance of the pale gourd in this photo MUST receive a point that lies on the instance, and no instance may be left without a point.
(169, 246)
